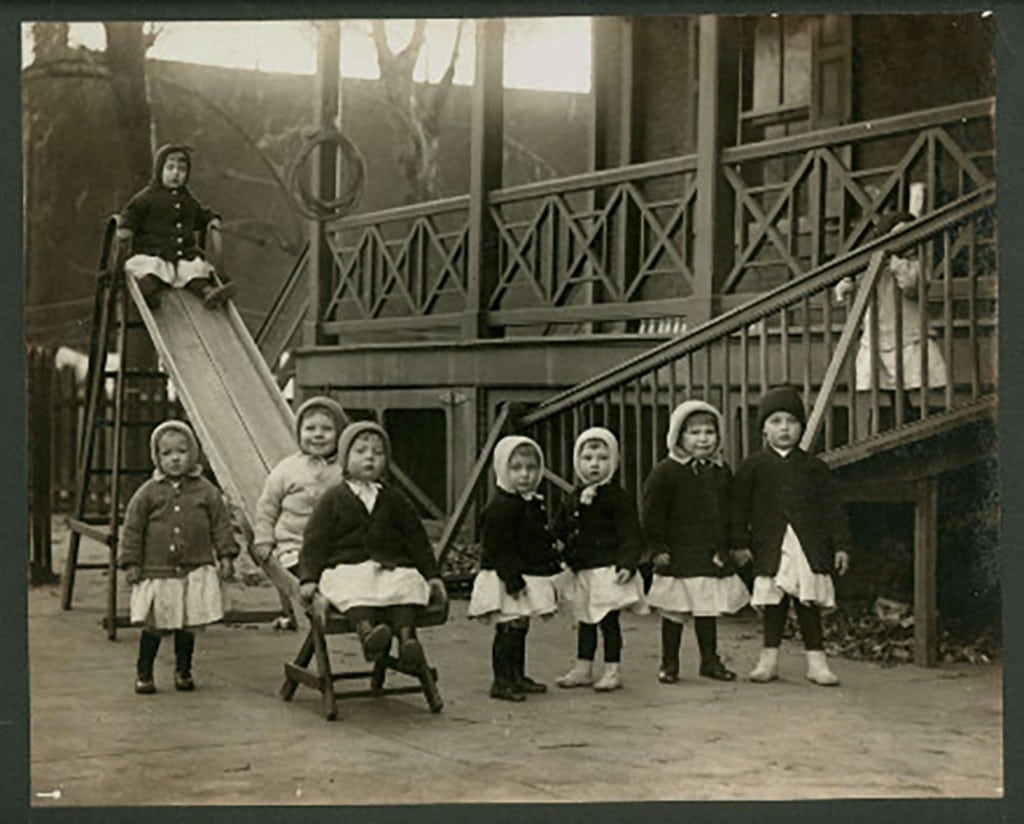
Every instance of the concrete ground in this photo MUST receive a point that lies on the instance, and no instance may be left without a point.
(885, 732)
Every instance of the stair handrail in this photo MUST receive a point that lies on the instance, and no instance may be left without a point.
(760, 306)
(270, 320)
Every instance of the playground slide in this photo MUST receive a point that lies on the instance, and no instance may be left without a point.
(239, 415)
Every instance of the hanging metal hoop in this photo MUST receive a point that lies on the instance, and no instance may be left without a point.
(353, 177)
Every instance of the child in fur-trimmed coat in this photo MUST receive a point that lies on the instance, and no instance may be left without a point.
(600, 528)
(686, 523)
(514, 583)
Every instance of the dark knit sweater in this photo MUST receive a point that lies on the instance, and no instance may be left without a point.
(686, 514)
(605, 532)
(516, 538)
(770, 491)
(341, 531)
(165, 222)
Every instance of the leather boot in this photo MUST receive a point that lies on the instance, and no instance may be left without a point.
(375, 640)
(184, 644)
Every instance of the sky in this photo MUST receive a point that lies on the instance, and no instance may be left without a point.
(540, 53)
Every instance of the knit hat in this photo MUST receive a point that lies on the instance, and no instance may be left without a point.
(605, 436)
(161, 157)
(503, 454)
(322, 404)
(781, 399)
(353, 431)
(173, 425)
(677, 422)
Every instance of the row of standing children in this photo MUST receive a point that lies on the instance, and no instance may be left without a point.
(781, 513)
(327, 516)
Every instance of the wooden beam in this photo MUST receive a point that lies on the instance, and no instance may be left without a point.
(926, 549)
(325, 171)
(485, 160)
(717, 106)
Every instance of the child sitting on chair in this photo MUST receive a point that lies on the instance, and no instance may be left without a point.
(366, 551)
(163, 221)
(292, 489)
(519, 557)
(176, 533)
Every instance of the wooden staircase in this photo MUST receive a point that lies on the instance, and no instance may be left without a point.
(798, 334)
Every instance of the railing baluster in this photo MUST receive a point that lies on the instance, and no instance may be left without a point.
(689, 375)
(923, 318)
(655, 403)
(724, 406)
(784, 342)
(763, 355)
(972, 311)
(899, 398)
(826, 319)
(638, 439)
(707, 373)
(806, 303)
(947, 315)
(744, 390)
(874, 360)
(672, 386)
(851, 380)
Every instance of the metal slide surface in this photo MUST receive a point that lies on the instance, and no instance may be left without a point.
(239, 415)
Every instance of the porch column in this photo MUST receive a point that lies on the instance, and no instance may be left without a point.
(485, 156)
(325, 173)
(612, 79)
(717, 109)
(926, 550)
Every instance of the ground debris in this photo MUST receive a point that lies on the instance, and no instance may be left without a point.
(244, 768)
(563, 745)
(857, 631)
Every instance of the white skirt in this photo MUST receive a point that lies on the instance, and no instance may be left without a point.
(911, 366)
(700, 596)
(177, 603)
(794, 578)
(594, 593)
(173, 274)
(491, 603)
(368, 584)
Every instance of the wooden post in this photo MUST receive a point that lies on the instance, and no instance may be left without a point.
(717, 106)
(926, 546)
(40, 421)
(325, 172)
(485, 159)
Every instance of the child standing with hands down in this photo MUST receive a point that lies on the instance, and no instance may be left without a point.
(366, 551)
(294, 486)
(686, 523)
(601, 530)
(786, 513)
(163, 220)
(519, 558)
(176, 534)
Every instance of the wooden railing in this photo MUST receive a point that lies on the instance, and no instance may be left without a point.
(281, 327)
(799, 333)
(803, 199)
(406, 266)
(616, 241)
(617, 245)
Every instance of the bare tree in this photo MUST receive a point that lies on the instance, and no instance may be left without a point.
(419, 106)
(127, 43)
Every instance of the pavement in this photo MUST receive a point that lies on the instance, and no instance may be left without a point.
(897, 732)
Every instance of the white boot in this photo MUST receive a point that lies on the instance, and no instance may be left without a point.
(581, 675)
(767, 668)
(818, 671)
(610, 678)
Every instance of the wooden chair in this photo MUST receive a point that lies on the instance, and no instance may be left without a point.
(324, 621)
